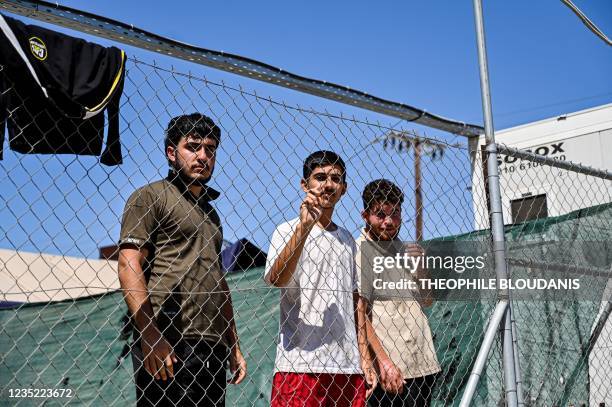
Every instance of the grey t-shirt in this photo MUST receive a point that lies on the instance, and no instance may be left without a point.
(183, 271)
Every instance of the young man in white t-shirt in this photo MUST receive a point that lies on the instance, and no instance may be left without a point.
(322, 353)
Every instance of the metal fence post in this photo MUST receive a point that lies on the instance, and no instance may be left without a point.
(497, 222)
(517, 364)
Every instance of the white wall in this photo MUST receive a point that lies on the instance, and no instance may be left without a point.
(583, 137)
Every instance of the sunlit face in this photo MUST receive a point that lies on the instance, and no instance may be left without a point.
(327, 181)
(194, 157)
(383, 220)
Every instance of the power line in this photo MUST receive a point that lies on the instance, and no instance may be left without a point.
(590, 25)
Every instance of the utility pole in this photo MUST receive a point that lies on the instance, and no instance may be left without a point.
(418, 193)
(403, 141)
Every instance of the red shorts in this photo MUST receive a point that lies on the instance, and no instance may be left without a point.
(317, 389)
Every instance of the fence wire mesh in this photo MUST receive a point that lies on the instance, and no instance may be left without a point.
(67, 336)
(559, 228)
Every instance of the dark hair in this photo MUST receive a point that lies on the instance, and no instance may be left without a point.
(320, 159)
(195, 123)
(381, 191)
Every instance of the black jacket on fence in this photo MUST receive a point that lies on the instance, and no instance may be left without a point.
(54, 89)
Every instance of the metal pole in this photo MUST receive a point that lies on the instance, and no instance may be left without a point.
(601, 323)
(509, 362)
(483, 353)
(418, 193)
(585, 352)
(517, 364)
(497, 221)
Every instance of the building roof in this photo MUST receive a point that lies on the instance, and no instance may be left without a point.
(598, 118)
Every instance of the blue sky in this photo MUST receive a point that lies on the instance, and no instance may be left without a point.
(542, 59)
(543, 62)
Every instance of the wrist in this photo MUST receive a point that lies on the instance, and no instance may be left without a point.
(383, 360)
(367, 365)
(367, 362)
(305, 227)
(150, 331)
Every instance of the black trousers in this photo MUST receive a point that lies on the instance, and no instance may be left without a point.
(199, 377)
(417, 393)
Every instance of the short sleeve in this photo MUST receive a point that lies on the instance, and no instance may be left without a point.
(279, 240)
(139, 221)
(363, 270)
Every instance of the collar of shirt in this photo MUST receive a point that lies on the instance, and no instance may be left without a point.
(385, 247)
(208, 193)
(365, 236)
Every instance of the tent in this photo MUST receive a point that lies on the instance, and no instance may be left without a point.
(242, 255)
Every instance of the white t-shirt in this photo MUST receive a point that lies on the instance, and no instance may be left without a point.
(317, 320)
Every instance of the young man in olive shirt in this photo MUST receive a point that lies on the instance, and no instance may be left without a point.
(170, 272)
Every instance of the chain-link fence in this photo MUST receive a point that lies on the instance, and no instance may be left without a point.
(559, 216)
(67, 335)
